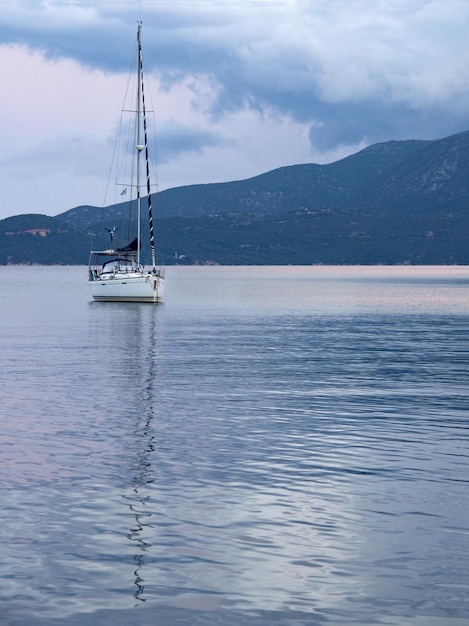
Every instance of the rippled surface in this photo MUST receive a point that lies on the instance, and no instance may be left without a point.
(270, 446)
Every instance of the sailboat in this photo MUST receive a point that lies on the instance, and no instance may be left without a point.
(117, 273)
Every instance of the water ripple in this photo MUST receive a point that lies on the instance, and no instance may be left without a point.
(243, 460)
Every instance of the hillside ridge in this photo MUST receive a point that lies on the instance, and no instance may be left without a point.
(392, 202)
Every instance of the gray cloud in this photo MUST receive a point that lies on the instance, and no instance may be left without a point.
(351, 68)
(349, 72)
(176, 139)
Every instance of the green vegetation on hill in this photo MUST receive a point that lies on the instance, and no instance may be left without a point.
(41, 240)
(327, 236)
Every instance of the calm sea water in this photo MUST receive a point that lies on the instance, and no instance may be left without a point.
(270, 446)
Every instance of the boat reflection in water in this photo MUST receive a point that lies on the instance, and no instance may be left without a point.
(138, 502)
(143, 443)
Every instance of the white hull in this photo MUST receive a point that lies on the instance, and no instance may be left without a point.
(131, 288)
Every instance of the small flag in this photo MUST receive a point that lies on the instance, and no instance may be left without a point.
(123, 192)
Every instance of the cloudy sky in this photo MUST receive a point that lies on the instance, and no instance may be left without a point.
(240, 88)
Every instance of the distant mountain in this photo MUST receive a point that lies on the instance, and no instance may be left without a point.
(394, 202)
(435, 177)
(284, 189)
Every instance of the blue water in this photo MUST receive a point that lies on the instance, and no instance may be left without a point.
(269, 446)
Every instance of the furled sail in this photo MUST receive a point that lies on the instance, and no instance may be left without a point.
(130, 247)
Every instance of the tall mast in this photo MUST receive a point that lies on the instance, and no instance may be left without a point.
(142, 113)
(139, 131)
